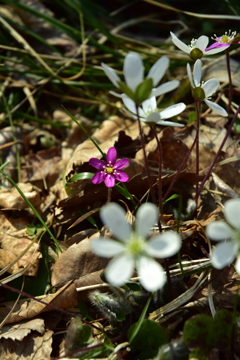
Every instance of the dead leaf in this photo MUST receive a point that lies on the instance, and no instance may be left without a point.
(11, 199)
(21, 330)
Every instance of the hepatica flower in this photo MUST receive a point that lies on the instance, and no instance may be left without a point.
(198, 47)
(149, 113)
(133, 71)
(203, 90)
(109, 169)
(133, 250)
(223, 41)
(229, 235)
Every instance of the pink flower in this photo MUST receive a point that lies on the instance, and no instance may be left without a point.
(221, 41)
(110, 169)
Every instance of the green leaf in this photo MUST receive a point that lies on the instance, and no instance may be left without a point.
(222, 330)
(78, 335)
(81, 176)
(126, 90)
(148, 339)
(143, 90)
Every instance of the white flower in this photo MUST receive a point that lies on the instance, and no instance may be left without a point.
(197, 48)
(133, 250)
(150, 114)
(133, 74)
(229, 235)
(203, 90)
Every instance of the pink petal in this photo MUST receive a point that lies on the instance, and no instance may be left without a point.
(121, 176)
(110, 180)
(111, 155)
(98, 164)
(120, 164)
(98, 177)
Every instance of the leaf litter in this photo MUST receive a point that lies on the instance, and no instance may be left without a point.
(50, 314)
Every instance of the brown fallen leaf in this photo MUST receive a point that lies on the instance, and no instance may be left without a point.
(77, 261)
(11, 199)
(65, 297)
(21, 330)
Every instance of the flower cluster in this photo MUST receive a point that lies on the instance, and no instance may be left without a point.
(109, 169)
(229, 235)
(203, 90)
(133, 250)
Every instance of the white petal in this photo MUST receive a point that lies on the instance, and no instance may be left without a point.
(146, 217)
(119, 270)
(106, 247)
(216, 50)
(223, 254)
(115, 94)
(189, 72)
(164, 88)
(237, 264)
(202, 42)
(172, 111)
(164, 245)
(152, 276)
(232, 212)
(149, 104)
(133, 70)
(180, 44)
(197, 73)
(216, 108)
(113, 77)
(210, 86)
(113, 216)
(158, 69)
(154, 117)
(129, 103)
(218, 231)
(169, 123)
(130, 114)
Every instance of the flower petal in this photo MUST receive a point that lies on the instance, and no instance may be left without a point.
(120, 164)
(98, 177)
(210, 86)
(158, 69)
(149, 105)
(119, 270)
(172, 111)
(180, 44)
(232, 211)
(98, 164)
(133, 70)
(202, 42)
(121, 176)
(113, 77)
(110, 180)
(106, 247)
(164, 245)
(223, 254)
(113, 216)
(169, 123)
(197, 73)
(152, 275)
(164, 88)
(216, 50)
(128, 113)
(216, 108)
(153, 118)
(189, 72)
(111, 155)
(146, 217)
(237, 264)
(132, 107)
(218, 231)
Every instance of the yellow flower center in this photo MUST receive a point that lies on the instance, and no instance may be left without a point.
(136, 245)
(109, 170)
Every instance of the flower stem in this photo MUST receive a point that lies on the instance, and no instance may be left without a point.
(218, 152)
(197, 105)
(109, 195)
(179, 170)
(159, 169)
(230, 93)
(145, 156)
